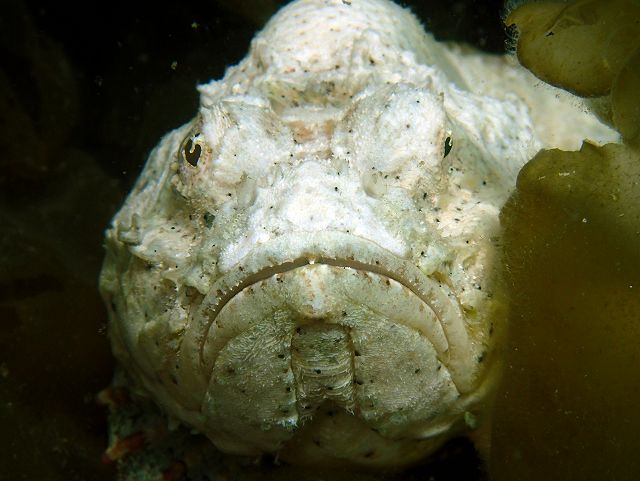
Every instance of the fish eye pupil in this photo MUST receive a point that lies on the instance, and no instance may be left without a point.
(448, 145)
(192, 152)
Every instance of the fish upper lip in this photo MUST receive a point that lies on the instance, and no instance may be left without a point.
(352, 252)
(294, 250)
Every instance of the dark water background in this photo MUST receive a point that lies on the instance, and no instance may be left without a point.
(85, 92)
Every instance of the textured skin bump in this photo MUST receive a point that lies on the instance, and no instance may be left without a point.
(309, 267)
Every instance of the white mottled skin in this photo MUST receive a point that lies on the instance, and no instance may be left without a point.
(322, 284)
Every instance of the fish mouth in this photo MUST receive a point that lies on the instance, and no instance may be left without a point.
(307, 321)
(292, 252)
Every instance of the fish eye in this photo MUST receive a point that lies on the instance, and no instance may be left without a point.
(191, 149)
(448, 145)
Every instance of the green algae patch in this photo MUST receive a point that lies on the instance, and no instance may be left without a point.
(568, 405)
(581, 46)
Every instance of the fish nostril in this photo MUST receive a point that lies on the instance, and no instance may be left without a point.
(374, 184)
(246, 192)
